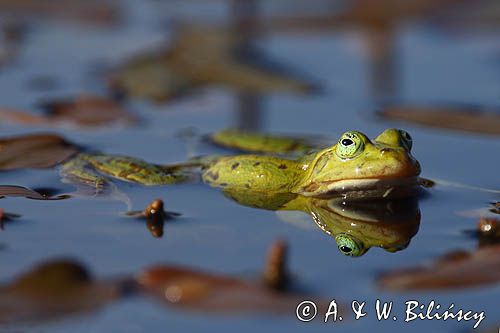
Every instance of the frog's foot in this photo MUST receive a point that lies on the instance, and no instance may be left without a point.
(256, 142)
(78, 172)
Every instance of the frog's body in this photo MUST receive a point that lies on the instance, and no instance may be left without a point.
(255, 172)
(354, 167)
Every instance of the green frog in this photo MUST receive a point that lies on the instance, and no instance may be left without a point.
(354, 167)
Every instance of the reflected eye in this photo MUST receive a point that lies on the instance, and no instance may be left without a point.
(349, 245)
(407, 140)
(349, 145)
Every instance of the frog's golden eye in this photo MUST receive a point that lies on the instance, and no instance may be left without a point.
(349, 145)
(406, 139)
(349, 245)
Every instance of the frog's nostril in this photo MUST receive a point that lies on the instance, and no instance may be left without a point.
(384, 150)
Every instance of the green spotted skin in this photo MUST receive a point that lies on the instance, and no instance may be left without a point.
(253, 172)
(355, 164)
(132, 169)
(259, 143)
(90, 168)
(78, 170)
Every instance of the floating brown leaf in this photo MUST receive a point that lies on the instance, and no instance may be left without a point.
(470, 119)
(19, 191)
(88, 110)
(455, 270)
(202, 291)
(52, 290)
(363, 13)
(34, 151)
(83, 111)
(93, 12)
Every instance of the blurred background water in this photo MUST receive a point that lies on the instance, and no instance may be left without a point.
(431, 64)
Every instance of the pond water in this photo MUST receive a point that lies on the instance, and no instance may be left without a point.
(218, 235)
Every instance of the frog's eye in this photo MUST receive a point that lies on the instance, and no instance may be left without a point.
(349, 145)
(349, 245)
(407, 141)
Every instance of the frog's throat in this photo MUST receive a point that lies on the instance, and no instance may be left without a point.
(384, 186)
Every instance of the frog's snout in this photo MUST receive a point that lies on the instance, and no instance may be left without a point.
(404, 165)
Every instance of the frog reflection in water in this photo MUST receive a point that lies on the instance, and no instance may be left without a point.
(356, 225)
(355, 167)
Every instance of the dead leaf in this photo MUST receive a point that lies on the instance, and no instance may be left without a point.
(201, 291)
(85, 11)
(463, 270)
(87, 110)
(19, 191)
(82, 111)
(34, 151)
(54, 289)
(199, 56)
(463, 118)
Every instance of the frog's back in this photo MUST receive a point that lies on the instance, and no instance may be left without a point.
(253, 172)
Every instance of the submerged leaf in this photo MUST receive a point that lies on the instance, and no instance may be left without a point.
(455, 270)
(51, 290)
(199, 56)
(201, 291)
(34, 151)
(477, 120)
(83, 111)
(88, 110)
(84, 11)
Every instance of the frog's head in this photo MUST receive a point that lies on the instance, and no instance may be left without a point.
(357, 166)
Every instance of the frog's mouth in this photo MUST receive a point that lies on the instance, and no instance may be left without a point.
(365, 187)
